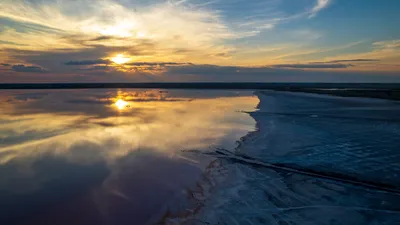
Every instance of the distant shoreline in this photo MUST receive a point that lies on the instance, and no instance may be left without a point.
(369, 90)
(202, 85)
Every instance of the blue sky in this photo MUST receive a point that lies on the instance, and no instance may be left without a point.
(193, 40)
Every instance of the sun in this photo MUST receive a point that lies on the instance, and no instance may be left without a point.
(121, 104)
(120, 59)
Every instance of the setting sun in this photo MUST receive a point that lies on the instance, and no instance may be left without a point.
(120, 59)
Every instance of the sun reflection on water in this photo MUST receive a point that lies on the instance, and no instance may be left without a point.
(121, 104)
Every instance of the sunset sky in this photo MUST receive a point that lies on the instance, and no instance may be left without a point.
(199, 40)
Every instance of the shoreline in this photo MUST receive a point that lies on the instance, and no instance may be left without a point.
(251, 182)
(207, 85)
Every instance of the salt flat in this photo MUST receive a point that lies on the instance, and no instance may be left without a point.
(339, 137)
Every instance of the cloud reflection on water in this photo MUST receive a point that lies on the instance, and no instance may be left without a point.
(86, 130)
(153, 121)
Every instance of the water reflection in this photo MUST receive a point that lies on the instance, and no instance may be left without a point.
(121, 104)
(109, 156)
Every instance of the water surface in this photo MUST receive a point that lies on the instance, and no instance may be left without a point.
(110, 156)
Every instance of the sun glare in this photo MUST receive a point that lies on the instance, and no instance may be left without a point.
(121, 104)
(121, 29)
(120, 59)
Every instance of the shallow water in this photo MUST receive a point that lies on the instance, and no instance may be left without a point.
(110, 156)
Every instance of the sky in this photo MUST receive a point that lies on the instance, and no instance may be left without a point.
(199, 40)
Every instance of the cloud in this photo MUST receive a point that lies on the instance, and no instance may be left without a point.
(384, 52)
(211, 73)
(156, 64)
(109, 66)
(285, 73)
(78, 39)
(393, 44)
(158, 32)
(353, 60)
(96, 68)
(304, 35)
(28, 69)
(167, 24)
(10, 43)
(153, 70)
(90, 101)
(260, 16)
(210, 70)
(187, 25)
(87, 62)
(102, 38)
(5, 64)
(314, 66)
(321, 4)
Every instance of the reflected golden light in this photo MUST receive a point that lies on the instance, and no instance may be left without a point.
(141, 34)
(120, 59)
(155, 117)
(121, 104)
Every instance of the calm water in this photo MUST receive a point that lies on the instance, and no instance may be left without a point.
(110, 156)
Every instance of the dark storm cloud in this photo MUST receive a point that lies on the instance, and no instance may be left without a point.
(28, 69)
(314, 66)
(87, 62)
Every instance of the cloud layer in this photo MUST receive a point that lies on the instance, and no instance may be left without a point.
(124, 40)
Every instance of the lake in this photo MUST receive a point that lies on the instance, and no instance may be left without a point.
(86, 156)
